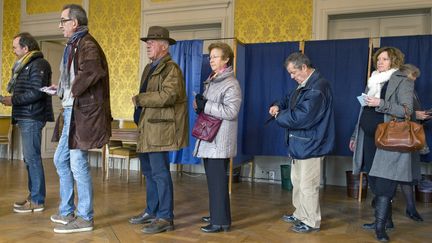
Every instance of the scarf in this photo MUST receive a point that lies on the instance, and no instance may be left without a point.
(377, 80)
(68, 56)
(18, 66)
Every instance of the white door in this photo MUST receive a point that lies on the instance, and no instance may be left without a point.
(197, 32)
(379, 26)
(53, 52)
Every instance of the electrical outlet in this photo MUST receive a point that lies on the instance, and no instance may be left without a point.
(272, 175)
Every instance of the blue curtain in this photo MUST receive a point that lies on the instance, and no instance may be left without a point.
(188, 55)
(344, 64)
(418, 51)
(240, 75)
(265, 80)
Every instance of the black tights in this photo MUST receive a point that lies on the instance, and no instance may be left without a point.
(407, 191)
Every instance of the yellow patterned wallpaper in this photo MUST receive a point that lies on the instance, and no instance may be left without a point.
(47, 6)
(116, 26)
(258, 21)
(11, 19)
(255, 21)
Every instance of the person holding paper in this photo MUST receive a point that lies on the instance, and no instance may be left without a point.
(84, 91)
(389, 94)
(31, 109)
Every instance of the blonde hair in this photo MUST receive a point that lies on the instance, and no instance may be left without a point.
(395, 55)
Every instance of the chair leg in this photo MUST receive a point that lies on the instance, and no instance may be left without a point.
(127, 168)
(140, 172)
(108, 168)
(103, 162)
(8, 152)
(360, 188)
(230, 175)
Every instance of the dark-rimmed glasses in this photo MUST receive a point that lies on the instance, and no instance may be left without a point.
(63, 21)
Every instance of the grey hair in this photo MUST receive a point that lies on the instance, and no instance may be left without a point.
(410, 70)
(298, 60)
(77, 12)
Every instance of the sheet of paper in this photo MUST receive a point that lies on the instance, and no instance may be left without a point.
(48, 90)
(361, 99)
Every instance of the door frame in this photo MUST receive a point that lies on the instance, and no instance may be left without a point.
(178, 13)
(322, 9)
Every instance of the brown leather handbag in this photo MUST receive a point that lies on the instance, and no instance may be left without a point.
(206, 127)
(400, 136)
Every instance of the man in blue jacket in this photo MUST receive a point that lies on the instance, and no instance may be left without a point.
(31, 109)
(307, 116)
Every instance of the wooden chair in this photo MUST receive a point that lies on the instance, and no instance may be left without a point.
(6, 137)
(123, 150)
(101, 151)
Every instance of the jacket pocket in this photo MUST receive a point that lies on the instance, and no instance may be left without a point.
(161, 132)
(160, 126)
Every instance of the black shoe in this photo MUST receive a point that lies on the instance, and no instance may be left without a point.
(371, 226)
(211, 228)
(142, 218)
(414, 215)
(206, 219)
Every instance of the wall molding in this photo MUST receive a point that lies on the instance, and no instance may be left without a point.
(322, 9)
(45, 24)
(184, 13)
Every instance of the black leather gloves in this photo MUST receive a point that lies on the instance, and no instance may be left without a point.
(200, 101)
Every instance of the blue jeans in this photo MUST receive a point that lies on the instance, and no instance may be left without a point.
(31, 136)
(72, 166)
(159, 186)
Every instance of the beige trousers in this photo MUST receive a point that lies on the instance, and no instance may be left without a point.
(305, 177)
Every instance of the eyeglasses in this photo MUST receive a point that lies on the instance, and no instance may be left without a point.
(213, 57)
(63, 21)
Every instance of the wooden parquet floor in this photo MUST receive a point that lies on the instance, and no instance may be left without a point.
(256, 211)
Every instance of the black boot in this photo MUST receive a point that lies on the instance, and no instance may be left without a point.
(382, 206)
(389, 223)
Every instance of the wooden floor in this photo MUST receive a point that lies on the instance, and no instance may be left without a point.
(256, 211)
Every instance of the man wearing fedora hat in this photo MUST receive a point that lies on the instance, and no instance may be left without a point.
(162, 119)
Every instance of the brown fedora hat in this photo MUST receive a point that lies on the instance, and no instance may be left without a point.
(158, 33)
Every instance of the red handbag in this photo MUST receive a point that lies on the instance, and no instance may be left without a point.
(206, 127)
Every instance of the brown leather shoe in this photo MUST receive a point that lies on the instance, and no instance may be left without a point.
(158, 226)
(142, 218)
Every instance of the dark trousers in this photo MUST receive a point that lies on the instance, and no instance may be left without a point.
(217, 181)
(159, 186)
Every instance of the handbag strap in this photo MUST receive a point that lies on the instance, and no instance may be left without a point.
(407, 118)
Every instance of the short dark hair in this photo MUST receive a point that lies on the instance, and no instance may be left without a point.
(395, 55)
(298, 59)
(227, 52)
(27, 40)
(77, 12)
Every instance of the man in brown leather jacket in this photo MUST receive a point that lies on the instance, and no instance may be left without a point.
(84, 90)
(161, 115)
